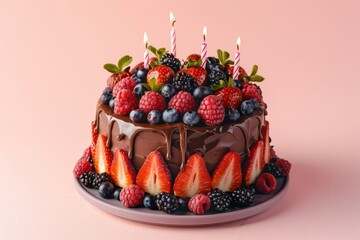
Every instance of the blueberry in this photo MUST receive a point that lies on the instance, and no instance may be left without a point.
(201, 92)
(137, 116)
(141, 73)
(170, 115)
(117, 194)
(106, 95)
(183, 204)
(139, 90)
(191, 118)
(238, 84)
(154, 117)
(106, 190)
(232, 114)
(212, 60)
(215, 67)
(112, 102)
(255, 102)
(246, 107)
(136, 79)
(168, 91)
(149, 202)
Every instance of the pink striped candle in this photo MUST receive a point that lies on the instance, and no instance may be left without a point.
(146, 53)
(204, 48)
(172, 34)
(237, 60)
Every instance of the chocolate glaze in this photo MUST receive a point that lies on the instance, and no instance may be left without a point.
(178, 141)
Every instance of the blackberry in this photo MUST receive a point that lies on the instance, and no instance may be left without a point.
(169, 60)
(91, 161)
(271, 168)
(87, 179)
(214, 77)
(100, 178)
(220, 201)
(243, 196)
(166, 202)
(184, 82)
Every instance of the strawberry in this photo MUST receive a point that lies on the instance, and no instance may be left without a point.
(103, 157)
(255, 163)
(230, 97)
(193, 67)
(94, 136)
(118, 71)
(193, 57)
(122, 172)
(193, 178)
(154, 176)
(227, 175)
(266, 140)
(230, 70)
(161, 74)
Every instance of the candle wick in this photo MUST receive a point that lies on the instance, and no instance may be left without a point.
(204, 37)
(146, 45)
(237, 47)
(173, 23)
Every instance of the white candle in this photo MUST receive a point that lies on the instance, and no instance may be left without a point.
(146, 53)
(172, 34)
(237, 60)
(204, 48)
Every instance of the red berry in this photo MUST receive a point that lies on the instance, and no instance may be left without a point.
(82, 166)
(266, 183)
(193, 57)
(251, 91)
(211, 110)
(131, 196)
(125, 83)
(182, 102)
(115, 78)
(152, 101)
(284, 166)
(199, 204)
(87, 153)
(162, 74)
(125, 101)
(230, 97)
(272, 153)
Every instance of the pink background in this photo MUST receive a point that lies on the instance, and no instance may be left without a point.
(51, 57)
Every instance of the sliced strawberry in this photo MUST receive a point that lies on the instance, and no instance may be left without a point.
(154, 176)
(193, 179)
(227, 175)
(161, 74)
(255, 163)
(122, 172)
(103, 157)
(94, 136)
(266, 140)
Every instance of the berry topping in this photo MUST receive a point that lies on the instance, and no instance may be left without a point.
(106, 95)
(255, 163)
(122, 172)
(193, 57)
(154, 176)
(140, 75)
(100, 178)
(119, 71)
(125, 83)
(238, 84)
(183, 204)
(116, 194)
(139, 90)
(106, 190)
(227, 175)
(266, 183)
(182, 102)
(211, 110)
(199, 204)
(195, 70)
(87, 179)
(125, 101)
(168, 91)
(103, 156)
(255, 102)
(161, 74)
(149, 202)
(170, 115)
(131, 196)
(270, 168)
(137, 116)
(152, 101)
(184, 82)
(193, 178)
(82, 166)
(284, 166)
(251, 91)
(220, 201)
(201, 92)
(230, 97)
(154, 117)
(214, 77)
(112, 103)
(243, 196)
(247, 107)
(191, 118)
(166, 202)
(232, 115)
(169, 60)
(87, 153)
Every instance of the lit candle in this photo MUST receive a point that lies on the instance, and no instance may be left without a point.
(237, 60)
(172, 34)
(204, 48)
(146, 53)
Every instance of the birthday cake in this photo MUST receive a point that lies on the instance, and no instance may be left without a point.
(181, 136)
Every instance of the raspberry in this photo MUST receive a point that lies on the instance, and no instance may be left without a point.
(115, 78)
(87, 153)
(266, 183)
(183, 102)
(131, 196)
(82, 166)
(284, 166)
(230, 97)
(152, 101)
(125, 83)
(125, 101)
(199, 204)
(272, 153)
(211, 110)
(251, 91)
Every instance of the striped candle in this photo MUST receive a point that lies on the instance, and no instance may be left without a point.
(146, 53)
(204, 49)
(172, 35)
(237, 60)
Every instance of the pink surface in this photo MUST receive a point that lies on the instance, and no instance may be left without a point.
(51, 57)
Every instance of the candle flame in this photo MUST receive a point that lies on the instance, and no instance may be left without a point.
(172, 19)
(204, 32)
(145, 40)
(238, 42)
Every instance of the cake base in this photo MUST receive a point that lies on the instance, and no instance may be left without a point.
(262, 203)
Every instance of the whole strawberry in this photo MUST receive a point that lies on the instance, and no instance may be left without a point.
(251, 91)
(125, 83)
(230, 97)
(193, 57)
(195, 70)
(152, 100)
(119, 71)
(125, 101)
(161, 74)
(182, 102)
(230, 70)
(211, 110)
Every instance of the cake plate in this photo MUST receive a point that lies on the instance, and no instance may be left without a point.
(262, 203)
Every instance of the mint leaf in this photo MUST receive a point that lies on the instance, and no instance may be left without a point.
(254, 70)
(231, 82)
(111, 68)
(124, 61)
(147, 86)
(226, 55)
(220, 55)
(152, 49)
(127, 69)
(229, 62)
(256, 78)
(152, 64)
